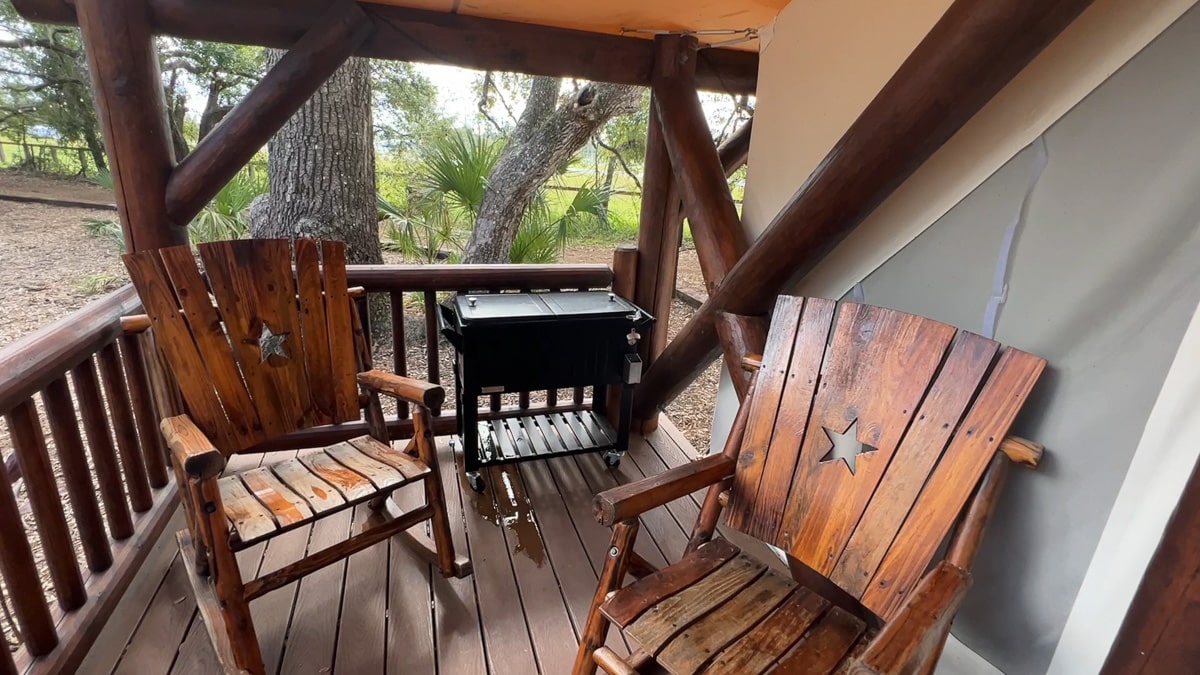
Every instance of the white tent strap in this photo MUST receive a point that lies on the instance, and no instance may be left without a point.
(1000, 277)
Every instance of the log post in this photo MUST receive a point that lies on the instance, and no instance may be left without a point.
(697, 169)
(966, 58)
(129, 102)
(660, 232)
(282, 91)
(702, 179)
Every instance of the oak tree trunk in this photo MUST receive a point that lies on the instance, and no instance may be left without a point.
(322, 168)
(547, 134)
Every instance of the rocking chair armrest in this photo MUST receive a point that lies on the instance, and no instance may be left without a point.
(408, 389)
(633, 499)
(916, 632)
(190, 448)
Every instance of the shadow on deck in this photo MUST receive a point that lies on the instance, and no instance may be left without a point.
(536, 550)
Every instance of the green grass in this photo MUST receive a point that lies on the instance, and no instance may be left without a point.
(95, 284)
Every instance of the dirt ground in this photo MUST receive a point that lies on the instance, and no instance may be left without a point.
(53, 187)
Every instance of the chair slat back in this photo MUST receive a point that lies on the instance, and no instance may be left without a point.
(262, 342)
(868, 431)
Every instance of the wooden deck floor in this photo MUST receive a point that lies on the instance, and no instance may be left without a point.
(536, 550)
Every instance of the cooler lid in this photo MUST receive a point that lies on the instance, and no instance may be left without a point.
(500, 306)
(516, 307)
(588, 303)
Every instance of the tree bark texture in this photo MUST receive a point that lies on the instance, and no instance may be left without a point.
(547, 134)
(322, 168)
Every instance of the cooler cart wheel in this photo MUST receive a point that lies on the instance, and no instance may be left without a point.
(475, 481)
(612, 459)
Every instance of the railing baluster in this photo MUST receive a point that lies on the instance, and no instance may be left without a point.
(431, 341)
(30, 446)
(577, 395)
(126, 433)
(552, 394)
(523, 396)
(104, 457)
(64, 426)
(399, 346)
(364, 316)
(21, 576)
(7, 665)
(153, 449)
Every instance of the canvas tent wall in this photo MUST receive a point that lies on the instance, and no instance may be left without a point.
(1103, 280)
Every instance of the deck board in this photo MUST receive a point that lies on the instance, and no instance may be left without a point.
(500, 608)
(456, 619)
(312, 636)
(362, 636)
(554, 638)
(537, 552)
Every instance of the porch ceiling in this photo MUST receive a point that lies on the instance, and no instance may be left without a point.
(614, 16)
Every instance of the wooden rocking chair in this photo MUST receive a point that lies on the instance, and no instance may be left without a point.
(862, 443)
(278, 347)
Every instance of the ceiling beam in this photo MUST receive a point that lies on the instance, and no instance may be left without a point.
(965, 59)
(405, 34)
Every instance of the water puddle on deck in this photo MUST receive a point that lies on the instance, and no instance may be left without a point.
(504, 504)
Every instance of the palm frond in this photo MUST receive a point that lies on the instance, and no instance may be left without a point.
(457, 166)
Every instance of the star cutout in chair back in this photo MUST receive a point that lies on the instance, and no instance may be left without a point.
(846, 446)
(271, 344)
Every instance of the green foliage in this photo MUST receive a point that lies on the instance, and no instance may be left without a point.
(455, 168)
(105, 229)
(405, 105)
(44, 82)
(441, 206)
(227, 215)
(422, 230)
(95, 284)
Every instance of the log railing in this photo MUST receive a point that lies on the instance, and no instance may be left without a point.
(82, 372)
(101, 497)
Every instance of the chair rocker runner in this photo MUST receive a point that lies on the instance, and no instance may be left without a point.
(867, 436)
(278, 347)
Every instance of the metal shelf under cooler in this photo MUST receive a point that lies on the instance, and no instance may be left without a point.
(515, 439)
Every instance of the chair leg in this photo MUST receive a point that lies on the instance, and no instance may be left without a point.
(233, 609)
(435, 495)
(595, 631)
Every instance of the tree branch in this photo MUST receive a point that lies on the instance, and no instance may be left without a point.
(620, 160)
(21, 43)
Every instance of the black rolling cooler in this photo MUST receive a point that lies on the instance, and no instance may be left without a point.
(513, 342)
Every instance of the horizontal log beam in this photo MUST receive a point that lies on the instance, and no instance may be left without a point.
(413, 278)
(334, 36)
(735, 151)
(405, 34)
(969, 55)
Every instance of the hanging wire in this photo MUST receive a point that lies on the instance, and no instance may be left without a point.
(740, 35)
